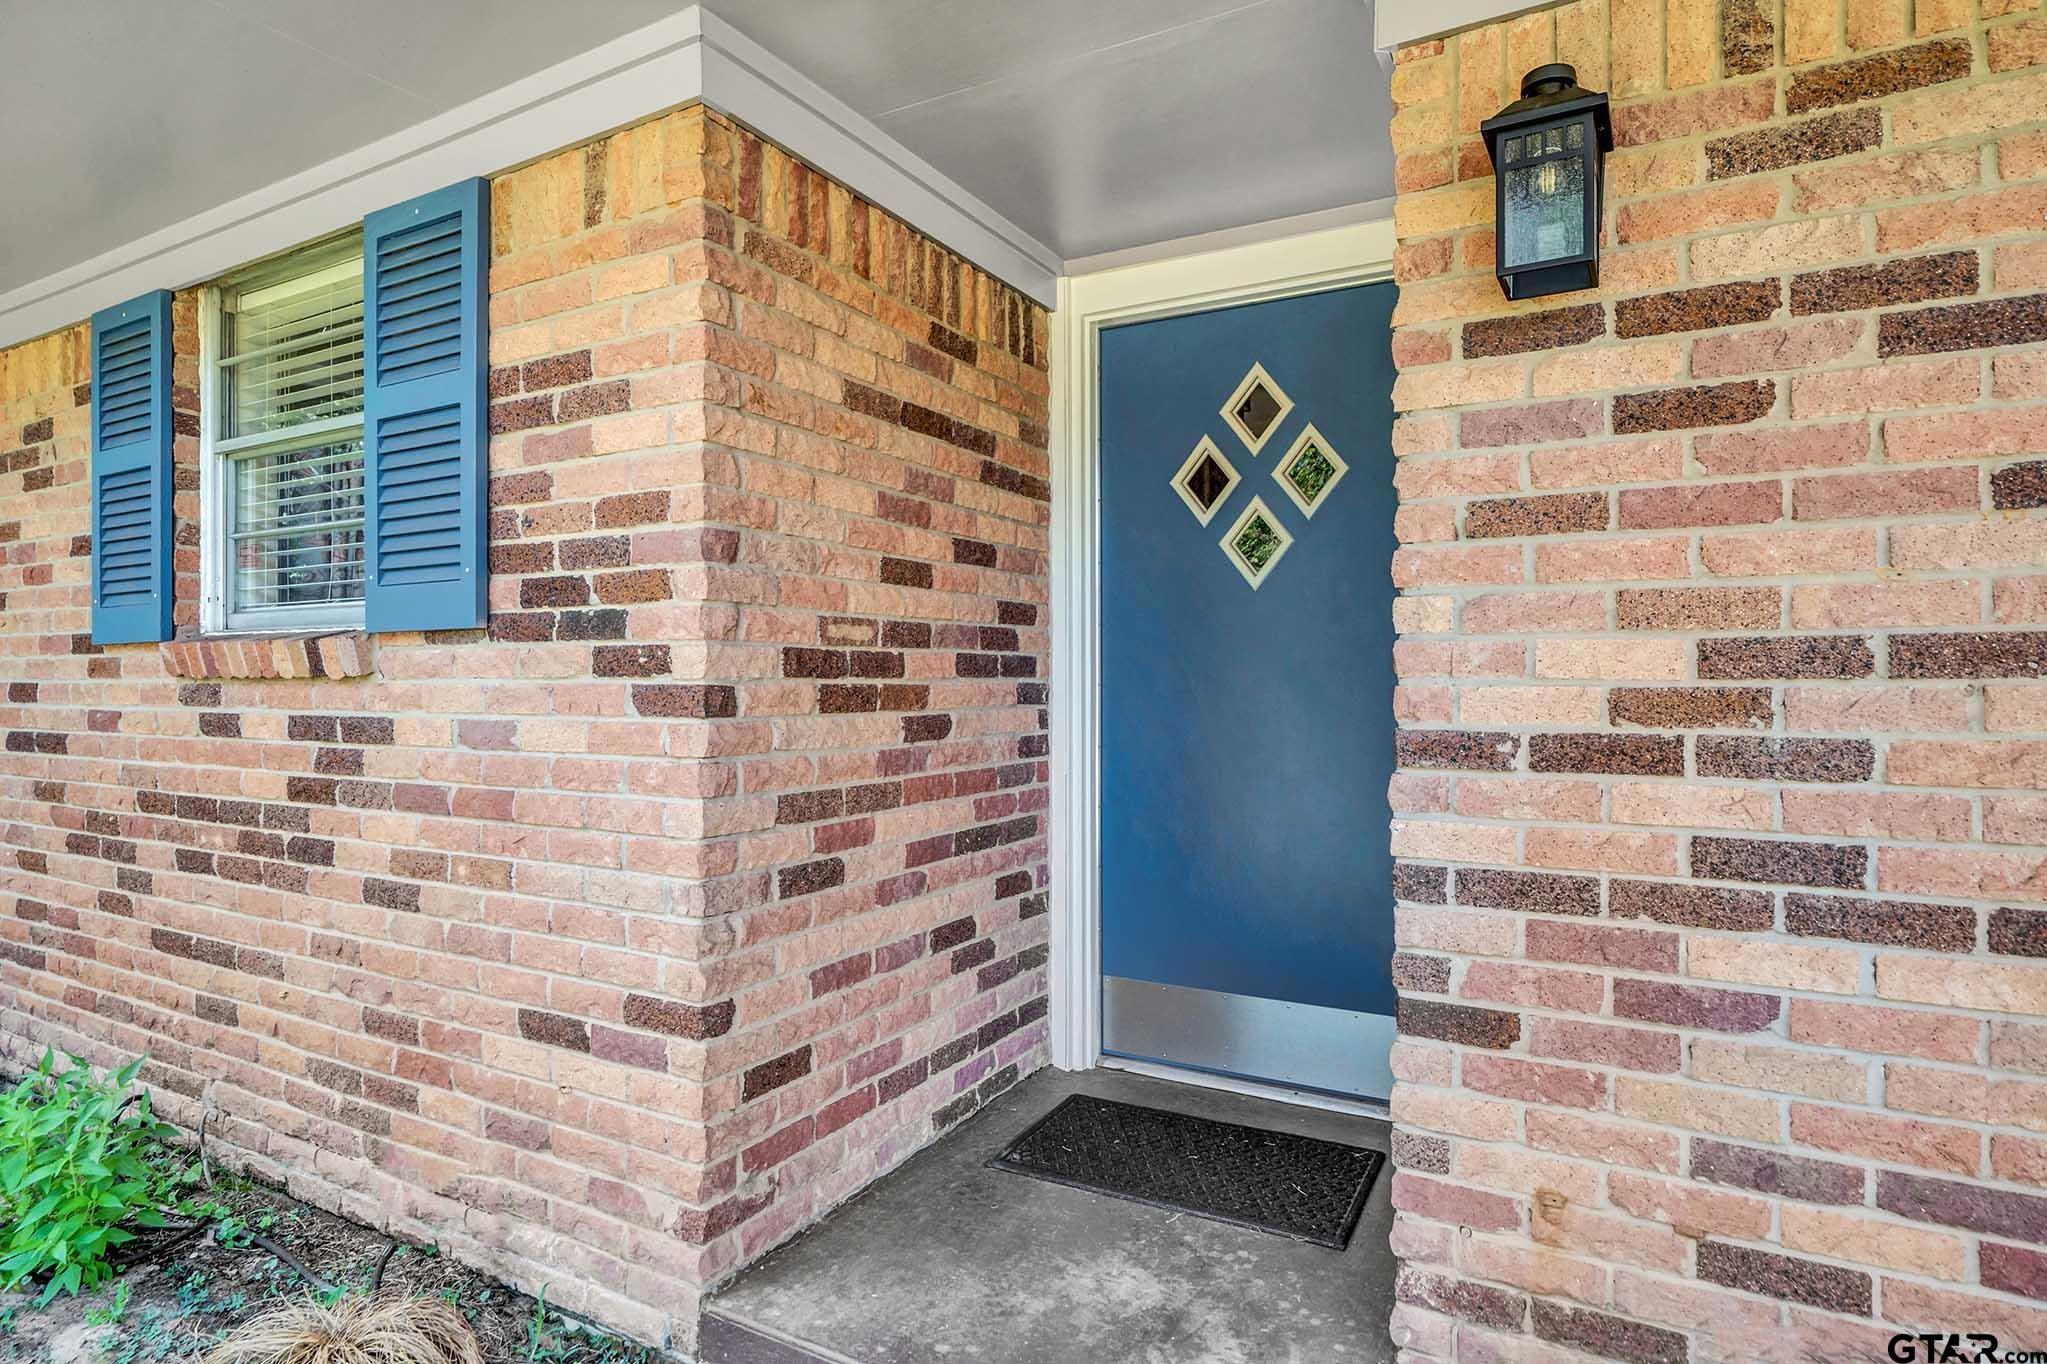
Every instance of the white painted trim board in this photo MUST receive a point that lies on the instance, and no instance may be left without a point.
(692, 55)
(1329, 259)
(1396, 23)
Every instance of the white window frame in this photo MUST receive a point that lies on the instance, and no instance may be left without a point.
(216, 493)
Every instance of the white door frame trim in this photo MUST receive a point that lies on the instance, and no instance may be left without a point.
(1358, 254)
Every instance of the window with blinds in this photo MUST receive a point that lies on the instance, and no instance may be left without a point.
(285, 423)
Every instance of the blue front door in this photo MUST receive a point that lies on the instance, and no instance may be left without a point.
(1247, 690)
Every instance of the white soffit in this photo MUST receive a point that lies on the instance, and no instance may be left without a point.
(689, 56)
(745, 80)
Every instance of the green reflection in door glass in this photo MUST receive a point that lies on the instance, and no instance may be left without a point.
(1256, 543)
(1310, 472)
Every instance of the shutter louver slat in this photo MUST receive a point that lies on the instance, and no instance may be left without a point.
(131, 471)
(425, 272)
(404, 254)
(413, 281)
(418, 275)
(420, 480)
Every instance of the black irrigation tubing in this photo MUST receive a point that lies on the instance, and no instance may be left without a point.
(185, 1233)
(258, 1241)
(256, 1238)
(181, 1232)
(377, 1274)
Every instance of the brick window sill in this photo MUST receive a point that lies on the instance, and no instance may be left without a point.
(236, 657)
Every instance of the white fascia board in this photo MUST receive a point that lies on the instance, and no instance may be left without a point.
(607, 87)
(1396, 23)
(745, 80)
(689, 56)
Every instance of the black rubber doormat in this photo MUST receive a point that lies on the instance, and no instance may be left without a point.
(1303, 1187)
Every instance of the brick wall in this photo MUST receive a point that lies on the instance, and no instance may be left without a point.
(612, 944)
(877, 825)
(1719, 812)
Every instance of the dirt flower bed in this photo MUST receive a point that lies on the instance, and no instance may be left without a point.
(175, 1297)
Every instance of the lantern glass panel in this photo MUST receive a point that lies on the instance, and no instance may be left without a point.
(1545, 211)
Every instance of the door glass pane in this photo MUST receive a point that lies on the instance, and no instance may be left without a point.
(1257, 410)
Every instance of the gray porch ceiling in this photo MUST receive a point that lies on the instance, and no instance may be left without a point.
(1094, 125)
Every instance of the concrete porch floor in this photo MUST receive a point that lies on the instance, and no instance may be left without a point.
(946, 1259)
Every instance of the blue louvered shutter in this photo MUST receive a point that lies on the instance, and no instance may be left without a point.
(425, 264)
(131, 471)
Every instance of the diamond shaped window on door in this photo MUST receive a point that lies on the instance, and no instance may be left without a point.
(1257, 408)
(1309, 470)
(1256, 542)
(1206, 480)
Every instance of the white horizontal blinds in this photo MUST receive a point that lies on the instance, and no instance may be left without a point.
(294, 352)
(290, 429)
(298, 523)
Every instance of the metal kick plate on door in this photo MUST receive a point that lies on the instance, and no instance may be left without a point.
(1336, 1050)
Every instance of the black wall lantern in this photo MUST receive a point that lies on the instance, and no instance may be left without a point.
(1548, 150)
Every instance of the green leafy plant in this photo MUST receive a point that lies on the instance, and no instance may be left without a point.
(111, 1314)
(83, 1161)
(537, 1344)
(561, 1338)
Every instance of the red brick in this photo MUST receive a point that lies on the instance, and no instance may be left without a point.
(1572, 419)
(1598, 945)
(1530, 1082)
(1450, 1203)
(1681, 115)
(1944, 221)
(1679, 215)
(1892, 1140)
(1718, 504)
(1803, 551)
(1797, 346)
(1847, 605)
(1602, 1044)
(1885, 388)
(1967, 435)
(1918, 492)
(1625, 560)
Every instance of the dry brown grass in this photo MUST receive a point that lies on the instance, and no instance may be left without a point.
(380, 1328)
